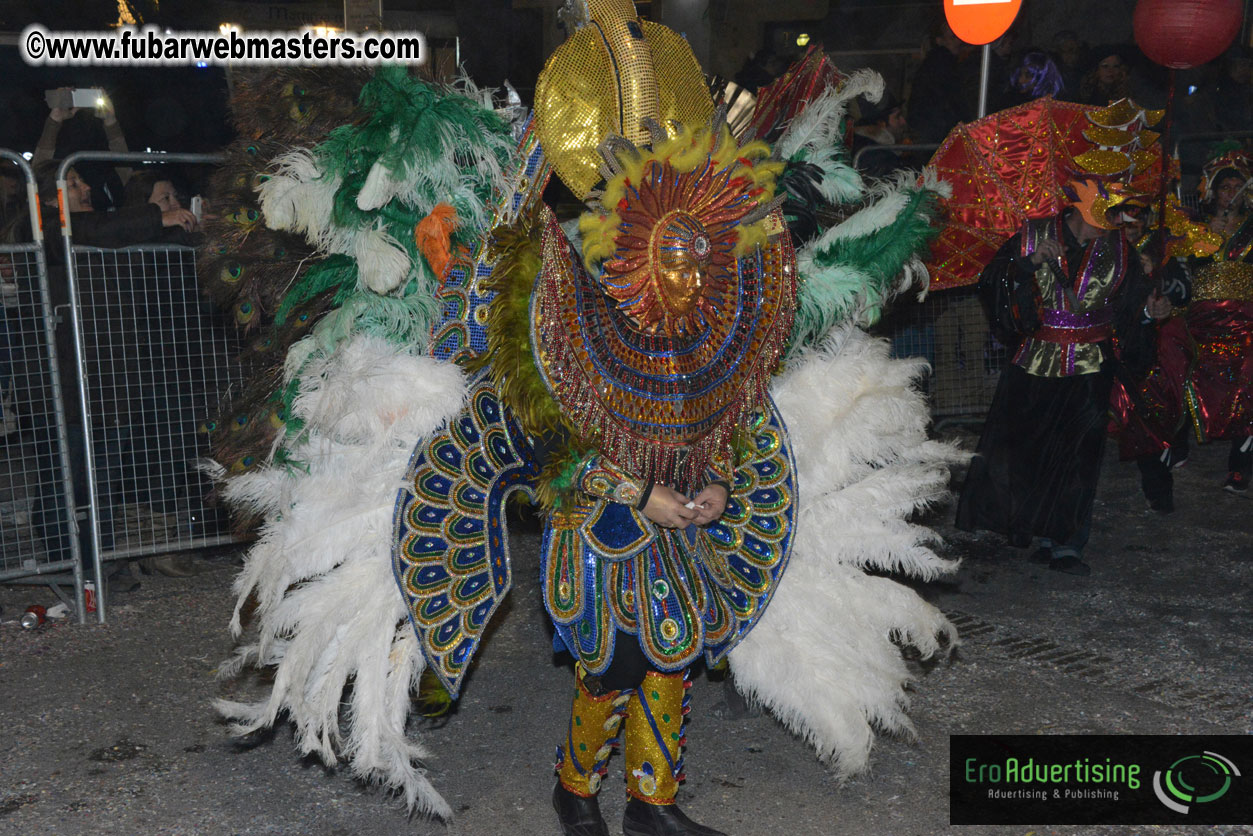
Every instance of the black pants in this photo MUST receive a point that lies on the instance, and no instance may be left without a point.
(1155, 468)
(626, 669)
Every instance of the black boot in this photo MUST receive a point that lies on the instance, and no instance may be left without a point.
(1156, 481)
(579, 816)
(644, 819)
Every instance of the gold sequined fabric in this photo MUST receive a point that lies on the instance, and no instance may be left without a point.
(653, 739)
(1120, 134)
(1122, 113)
(1188, 237)
(1104, 267)
(1224, 280)
(605, 80)
(583, 755)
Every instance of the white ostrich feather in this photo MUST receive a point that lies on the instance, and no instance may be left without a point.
(818, 125)
(883, 202)
(382, 264)
(379, 187)
(298, 198)
(326, 610)
(824, 657)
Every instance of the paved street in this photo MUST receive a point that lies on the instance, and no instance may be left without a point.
(109, 730)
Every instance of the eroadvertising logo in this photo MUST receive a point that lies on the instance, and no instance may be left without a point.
(1211, 772)
(1099, 779)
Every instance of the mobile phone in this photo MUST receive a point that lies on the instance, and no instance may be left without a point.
(197, 207)
(76, 97)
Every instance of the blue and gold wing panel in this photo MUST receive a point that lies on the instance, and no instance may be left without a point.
(460, 331)
(582, 553)
(450, 552)
(749, 546)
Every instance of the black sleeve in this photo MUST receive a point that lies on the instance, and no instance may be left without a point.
(1177, 282)
(1009, 294)
(120, 228)
(1135, 337)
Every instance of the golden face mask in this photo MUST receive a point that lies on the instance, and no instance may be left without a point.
(675, 219)
(671, 284)
(681, 252)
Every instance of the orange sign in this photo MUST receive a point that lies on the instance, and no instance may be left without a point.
(980, 21)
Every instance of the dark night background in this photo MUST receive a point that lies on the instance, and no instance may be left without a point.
(184, 108)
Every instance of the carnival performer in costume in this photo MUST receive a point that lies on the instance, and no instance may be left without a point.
(1070, 293)
(661, 375)
(1202, 383)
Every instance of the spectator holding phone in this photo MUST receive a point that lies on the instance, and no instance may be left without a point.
(148, 187)
(59, 114)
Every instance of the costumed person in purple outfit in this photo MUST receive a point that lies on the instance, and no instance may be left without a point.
(1070, 293)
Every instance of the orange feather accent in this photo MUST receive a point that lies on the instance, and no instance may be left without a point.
(432, 235)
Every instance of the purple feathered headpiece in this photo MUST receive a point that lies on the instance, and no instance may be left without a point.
(1037, 75)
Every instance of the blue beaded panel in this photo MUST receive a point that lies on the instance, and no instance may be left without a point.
(450, 553)
(460, 331)
(683, 593)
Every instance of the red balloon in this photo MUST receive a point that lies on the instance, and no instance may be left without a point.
(1186, 33)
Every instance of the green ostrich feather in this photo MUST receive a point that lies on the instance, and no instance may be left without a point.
(336, 272)
(883, 252)
(434, 144)
(402, 320)
(443, 146)
(855, 275)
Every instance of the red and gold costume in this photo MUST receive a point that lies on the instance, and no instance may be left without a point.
(1202, 384)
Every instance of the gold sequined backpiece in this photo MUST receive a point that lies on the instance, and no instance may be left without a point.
(606, 79)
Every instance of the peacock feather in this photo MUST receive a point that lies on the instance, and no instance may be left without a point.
(317, 243)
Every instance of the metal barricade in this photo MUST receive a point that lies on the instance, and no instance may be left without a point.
(910, 148)
(153, 362)
(950, 330)
(38, 525)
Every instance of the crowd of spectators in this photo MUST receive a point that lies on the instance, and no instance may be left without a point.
(109, 207)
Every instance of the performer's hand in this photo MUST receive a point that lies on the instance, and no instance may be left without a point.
(710, 503)
(668, 508)
(1158, 306)
(1046, 251)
